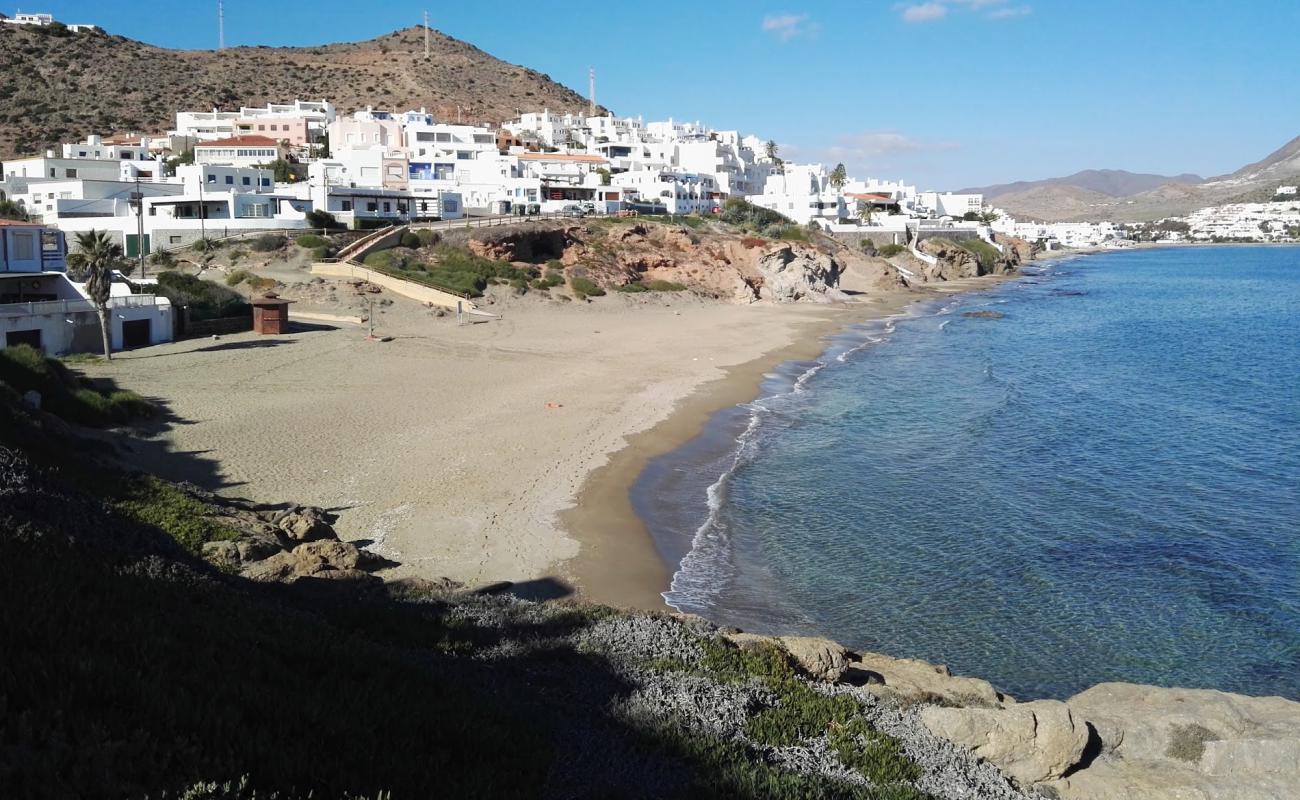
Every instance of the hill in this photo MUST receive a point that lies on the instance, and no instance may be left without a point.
(60, 86)
(1110, 182)
(1118, 196)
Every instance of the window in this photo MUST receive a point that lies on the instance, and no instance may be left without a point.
(81, 154)
(24, 246)
(173, 240)
(230, 180)
(265, 181)
(70, 173)
(247, 181)
(212, 178)
(372, 206)
(347, 205)
(387, 206)
(261, 127)
(450, 206)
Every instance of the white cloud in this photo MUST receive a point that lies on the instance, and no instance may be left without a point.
(874, 147)
(926, 12)
(1010, 12)
(935, 10)
(788, 26)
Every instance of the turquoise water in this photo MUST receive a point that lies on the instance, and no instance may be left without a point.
(1104, 484)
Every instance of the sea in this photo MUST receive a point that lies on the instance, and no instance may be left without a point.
(1090, 473)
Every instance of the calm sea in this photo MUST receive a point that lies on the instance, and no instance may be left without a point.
(1101, 484)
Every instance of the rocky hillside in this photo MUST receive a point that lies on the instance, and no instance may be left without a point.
(59, 87)
(1099, 195)
(712, 259)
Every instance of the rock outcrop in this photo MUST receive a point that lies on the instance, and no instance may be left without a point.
(790, 275)
(1185, 743)
(710, 260)
(1030, 742)
(909, 681)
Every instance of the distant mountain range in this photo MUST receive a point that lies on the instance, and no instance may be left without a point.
(1123, 196)
(59, 86)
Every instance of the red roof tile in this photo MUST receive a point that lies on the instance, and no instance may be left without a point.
(241, 141)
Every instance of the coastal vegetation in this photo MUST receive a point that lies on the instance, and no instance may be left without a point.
(204, 299)
(450, 268)
(67, 394)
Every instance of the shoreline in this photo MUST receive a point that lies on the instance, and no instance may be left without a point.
(618, 562)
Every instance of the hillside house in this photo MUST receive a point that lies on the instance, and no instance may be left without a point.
(239, 151)
(41, 307)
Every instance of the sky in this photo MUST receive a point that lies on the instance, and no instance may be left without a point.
(943, 93)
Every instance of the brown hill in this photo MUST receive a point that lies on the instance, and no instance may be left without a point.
(57, 87)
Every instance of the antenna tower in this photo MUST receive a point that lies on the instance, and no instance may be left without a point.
(591, 90)
(221, 25)
(426, 34)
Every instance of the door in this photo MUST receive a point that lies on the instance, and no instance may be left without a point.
(15, 338)
(135, 333)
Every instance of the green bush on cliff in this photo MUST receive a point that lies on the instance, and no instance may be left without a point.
(985, 253)
(66, 394)
(890, 250)
(157, 503)
(585, 287)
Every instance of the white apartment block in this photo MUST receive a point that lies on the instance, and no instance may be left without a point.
(947, 204)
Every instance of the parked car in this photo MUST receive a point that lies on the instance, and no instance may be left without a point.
(588, 207)
(573, 210)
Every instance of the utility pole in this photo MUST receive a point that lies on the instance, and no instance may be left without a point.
(203, 212)
(426, 36)
(221, 25)
(137, 200)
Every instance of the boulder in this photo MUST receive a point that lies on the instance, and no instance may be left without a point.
(909, 680)
(820, 659)
(792, 274)
(224, 555)
(1030, 742)
(309, 559)
(257, 546)
(1185, 744)
(305, 524)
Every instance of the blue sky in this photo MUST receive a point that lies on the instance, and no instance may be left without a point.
(946, 93)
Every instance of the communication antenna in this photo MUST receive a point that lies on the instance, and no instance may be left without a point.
(221, 25)
(591, 91)
(426, 34)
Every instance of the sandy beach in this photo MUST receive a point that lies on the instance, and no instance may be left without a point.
(498, 451)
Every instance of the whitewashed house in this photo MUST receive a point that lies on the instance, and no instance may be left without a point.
(41, 307)
(239, 151)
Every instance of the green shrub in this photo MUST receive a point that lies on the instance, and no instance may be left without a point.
(985, 253)
(167, 508)
(66, 394)
(268, 243)
(748, 216)
(162, 258)
(237, 277)
(585, 287)
(322, 252)
(890, 250)
(1187, 742)
(633, 288)
(665, 286)
(205, 299)
(410, 241)
(322, 220)
(311, 241)
(203, 245)
(878, 756)
(428, 237)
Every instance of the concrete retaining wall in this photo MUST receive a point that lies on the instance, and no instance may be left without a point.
(414, 291)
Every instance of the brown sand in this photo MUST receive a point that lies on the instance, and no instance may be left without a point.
(488, 452)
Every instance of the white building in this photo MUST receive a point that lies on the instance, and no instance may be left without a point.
(40, 307)
(239, 151)
(947, 204)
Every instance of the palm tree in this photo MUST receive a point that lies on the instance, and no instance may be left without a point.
(96, 258)
(772, 156)
(839, 177)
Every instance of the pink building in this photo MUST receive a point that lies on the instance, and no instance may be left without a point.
(293, 130)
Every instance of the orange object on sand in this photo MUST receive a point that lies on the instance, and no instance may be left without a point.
(554, 405)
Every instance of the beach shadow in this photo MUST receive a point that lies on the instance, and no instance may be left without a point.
(310, 327)
(251, 344)
(540, 589)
